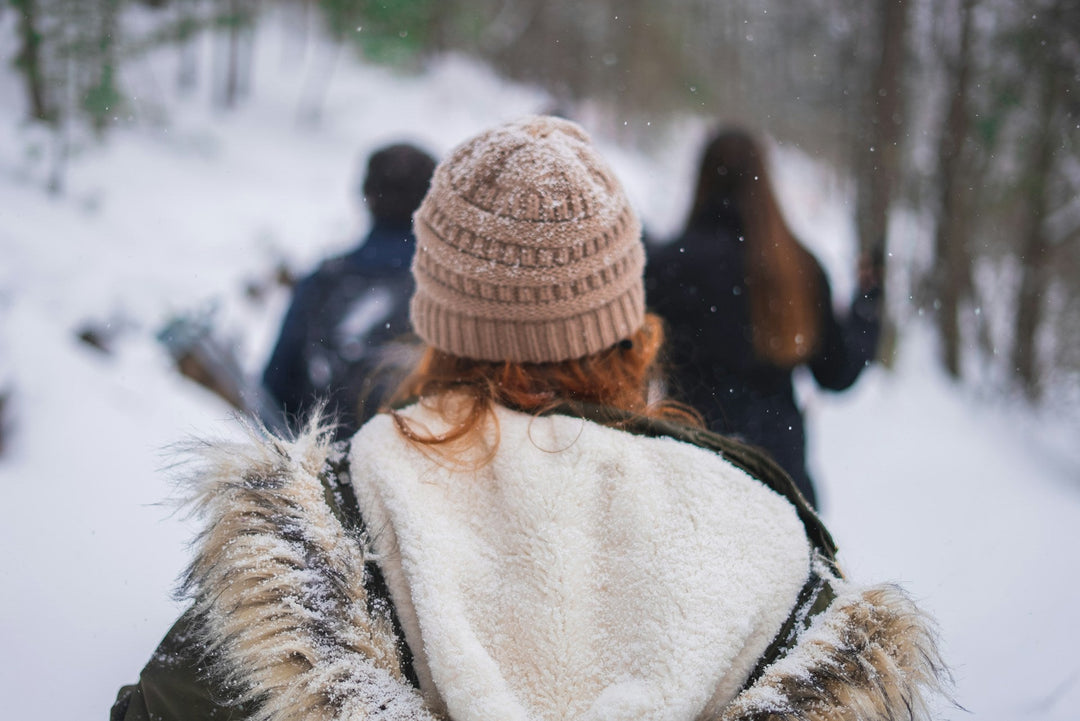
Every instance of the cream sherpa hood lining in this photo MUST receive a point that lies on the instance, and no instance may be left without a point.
(280, 587)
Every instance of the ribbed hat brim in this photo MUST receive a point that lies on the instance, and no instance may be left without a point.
(547, 341)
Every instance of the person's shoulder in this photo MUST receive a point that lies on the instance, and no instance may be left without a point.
(333, 267)
(331, 273)
(663, 262)
(697, 243)
(325, 271)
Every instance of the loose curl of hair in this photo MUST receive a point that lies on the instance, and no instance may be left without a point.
(618, 377)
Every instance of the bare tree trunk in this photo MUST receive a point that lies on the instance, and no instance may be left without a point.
(29, 59)
(296, 18)
(878, 160)
(317, 81)
(5, 422)
(952, 272)
(187, 33)
(104, 97)
(238, 18)
(232, 65)
(1035, 248)
(60, 144)
(886, 111)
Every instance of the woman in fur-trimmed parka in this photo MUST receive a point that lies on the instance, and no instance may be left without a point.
(527, 538)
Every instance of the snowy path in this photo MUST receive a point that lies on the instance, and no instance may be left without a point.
(957, 502)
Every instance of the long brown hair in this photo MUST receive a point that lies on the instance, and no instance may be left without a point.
(783, 278)
(465, 391)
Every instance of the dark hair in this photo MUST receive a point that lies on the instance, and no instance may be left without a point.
(782, 277)
(397, 179)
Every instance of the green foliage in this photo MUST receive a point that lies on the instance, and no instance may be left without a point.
(236, 15)
(386, 31)
(465, 26)
(103, 99)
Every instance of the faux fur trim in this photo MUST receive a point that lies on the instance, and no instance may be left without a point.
(278, 584)
(871, 656)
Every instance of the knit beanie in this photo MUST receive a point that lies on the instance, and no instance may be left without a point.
(527, 249)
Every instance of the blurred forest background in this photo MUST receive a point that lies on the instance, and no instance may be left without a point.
(961, 115)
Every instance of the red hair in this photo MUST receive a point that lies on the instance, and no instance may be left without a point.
(618, 377)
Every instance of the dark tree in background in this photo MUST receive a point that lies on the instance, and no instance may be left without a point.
(950, 278)
(1049, 49)
(96, 53)
(184, 33)
(69, 60)
(235, 47)
(1011, 138)
(879, 160)
(29, 61)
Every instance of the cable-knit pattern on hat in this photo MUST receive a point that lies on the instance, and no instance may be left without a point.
(527, 248)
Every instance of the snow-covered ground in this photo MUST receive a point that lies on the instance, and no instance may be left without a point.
(971, 505)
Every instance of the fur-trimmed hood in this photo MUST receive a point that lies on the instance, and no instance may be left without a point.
(284, 592)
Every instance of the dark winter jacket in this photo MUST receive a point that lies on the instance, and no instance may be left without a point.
(345, 336)
(697, 284)
(292, 620)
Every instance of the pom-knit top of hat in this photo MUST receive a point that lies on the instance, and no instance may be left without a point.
(528, 249)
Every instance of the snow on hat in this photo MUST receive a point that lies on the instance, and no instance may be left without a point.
(527, 249)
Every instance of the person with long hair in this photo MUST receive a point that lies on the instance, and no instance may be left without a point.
(745, 304)
(525, 534)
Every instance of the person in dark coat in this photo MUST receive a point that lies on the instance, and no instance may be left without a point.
(745, 304)
(345, 334)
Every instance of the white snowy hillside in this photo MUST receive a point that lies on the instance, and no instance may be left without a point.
(974, 507)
